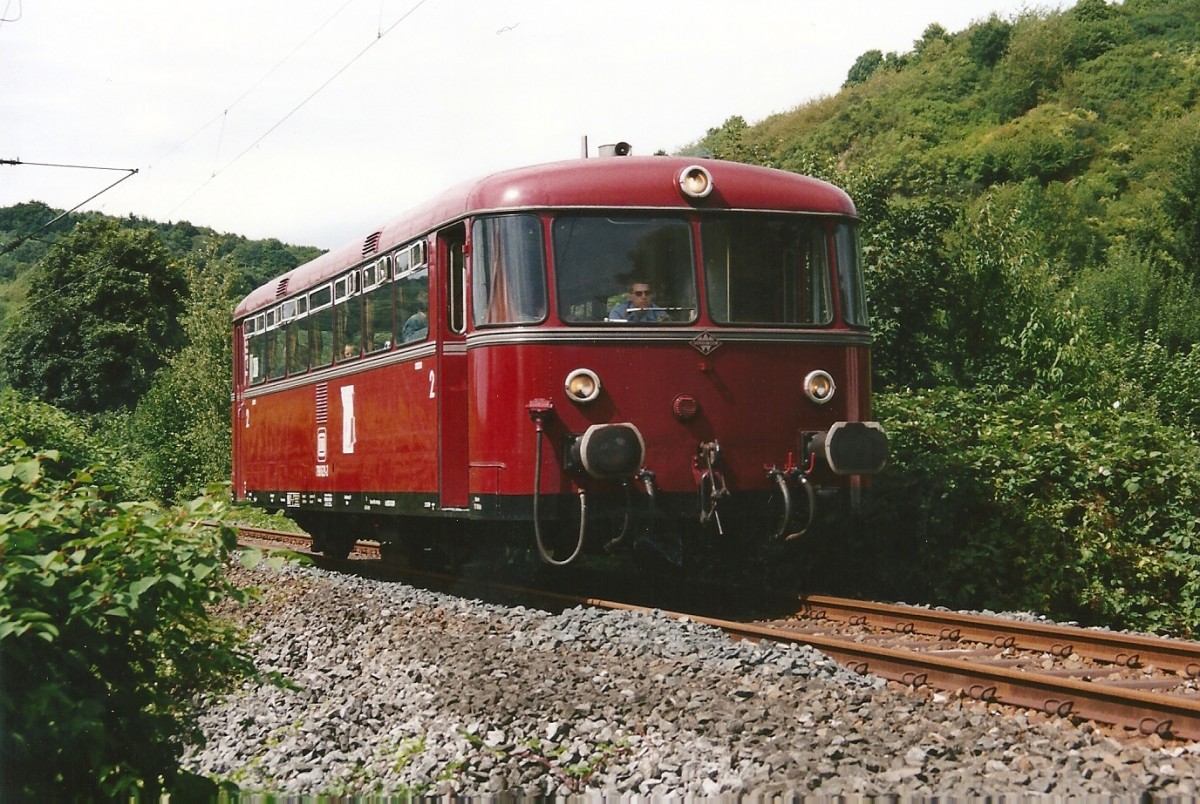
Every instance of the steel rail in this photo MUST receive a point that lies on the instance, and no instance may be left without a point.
(1150, 713)
(1125, 650)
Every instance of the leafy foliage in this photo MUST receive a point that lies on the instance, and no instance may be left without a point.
(987, 43)
(48, 428)
(103, 320)
(1026, 502)
(864, 67)
(105, 633)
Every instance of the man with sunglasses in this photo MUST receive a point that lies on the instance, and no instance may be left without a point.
(638, 307)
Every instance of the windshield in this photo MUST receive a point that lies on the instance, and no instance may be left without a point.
(624, 269)
(766, 270)
(850, 276)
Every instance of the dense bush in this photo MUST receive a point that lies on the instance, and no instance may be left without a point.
(47, 427)
(1029, 502)
(105, 633)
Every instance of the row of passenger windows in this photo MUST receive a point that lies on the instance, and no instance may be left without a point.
(364, 312)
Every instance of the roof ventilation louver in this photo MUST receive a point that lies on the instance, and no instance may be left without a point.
(371, 244)
(281, 288)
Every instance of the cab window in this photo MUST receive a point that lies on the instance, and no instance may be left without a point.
(766, 270)
(508, 270)
(602, 261)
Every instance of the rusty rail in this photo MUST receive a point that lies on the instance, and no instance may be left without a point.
(1125, 650)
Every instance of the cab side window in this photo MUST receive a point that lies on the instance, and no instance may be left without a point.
(508, 270)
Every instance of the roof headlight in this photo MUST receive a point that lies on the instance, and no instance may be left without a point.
(695, 181)
(582, 386)
(819, 386)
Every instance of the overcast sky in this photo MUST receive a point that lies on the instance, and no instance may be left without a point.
(314, 121)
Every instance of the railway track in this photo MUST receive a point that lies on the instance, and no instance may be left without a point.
(1148, 684)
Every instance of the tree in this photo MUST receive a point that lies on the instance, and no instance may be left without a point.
(182, 423)
(102, 317)
(933, 33)
(988, 42)
(863, 68)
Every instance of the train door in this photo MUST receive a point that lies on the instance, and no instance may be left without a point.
(452, 369)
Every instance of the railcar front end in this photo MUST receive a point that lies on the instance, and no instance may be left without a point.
(615, 348)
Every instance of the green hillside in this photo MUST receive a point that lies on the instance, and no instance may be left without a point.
(1030, 196)
(1072, 137)
(25, 240)
(1030, 192)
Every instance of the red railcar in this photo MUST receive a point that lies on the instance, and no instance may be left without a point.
(597, 347)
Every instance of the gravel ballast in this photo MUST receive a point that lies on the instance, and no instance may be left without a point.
(401, 690)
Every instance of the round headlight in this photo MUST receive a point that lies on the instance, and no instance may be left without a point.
(582, 385)
(695, 181)
(819, 386)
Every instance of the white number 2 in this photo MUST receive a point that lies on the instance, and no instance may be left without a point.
(432, 385)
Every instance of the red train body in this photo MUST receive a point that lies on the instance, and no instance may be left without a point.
(533, 396)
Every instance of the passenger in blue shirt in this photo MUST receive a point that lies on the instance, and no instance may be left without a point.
(639, 306)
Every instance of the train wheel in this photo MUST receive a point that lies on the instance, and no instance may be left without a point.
(393, 552)
(338, 547)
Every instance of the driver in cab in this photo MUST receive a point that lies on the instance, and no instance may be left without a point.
(638, 307)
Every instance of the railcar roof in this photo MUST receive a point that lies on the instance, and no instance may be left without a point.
(629, 181)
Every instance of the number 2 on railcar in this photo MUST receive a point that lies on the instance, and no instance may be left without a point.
(581, 353)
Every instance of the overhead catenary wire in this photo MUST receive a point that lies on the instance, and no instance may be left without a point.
(300, 105)
(18, 241)
(224, 113)
(20, 12)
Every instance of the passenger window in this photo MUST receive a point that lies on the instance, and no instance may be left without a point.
(347, 310)
(320, 302)
(412, 305)
(377, 305)
(296, 345)
(273, 348)
(295, 334)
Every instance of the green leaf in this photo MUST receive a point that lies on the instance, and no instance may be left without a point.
(250, 558)
(28, 471)
(142, 584)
